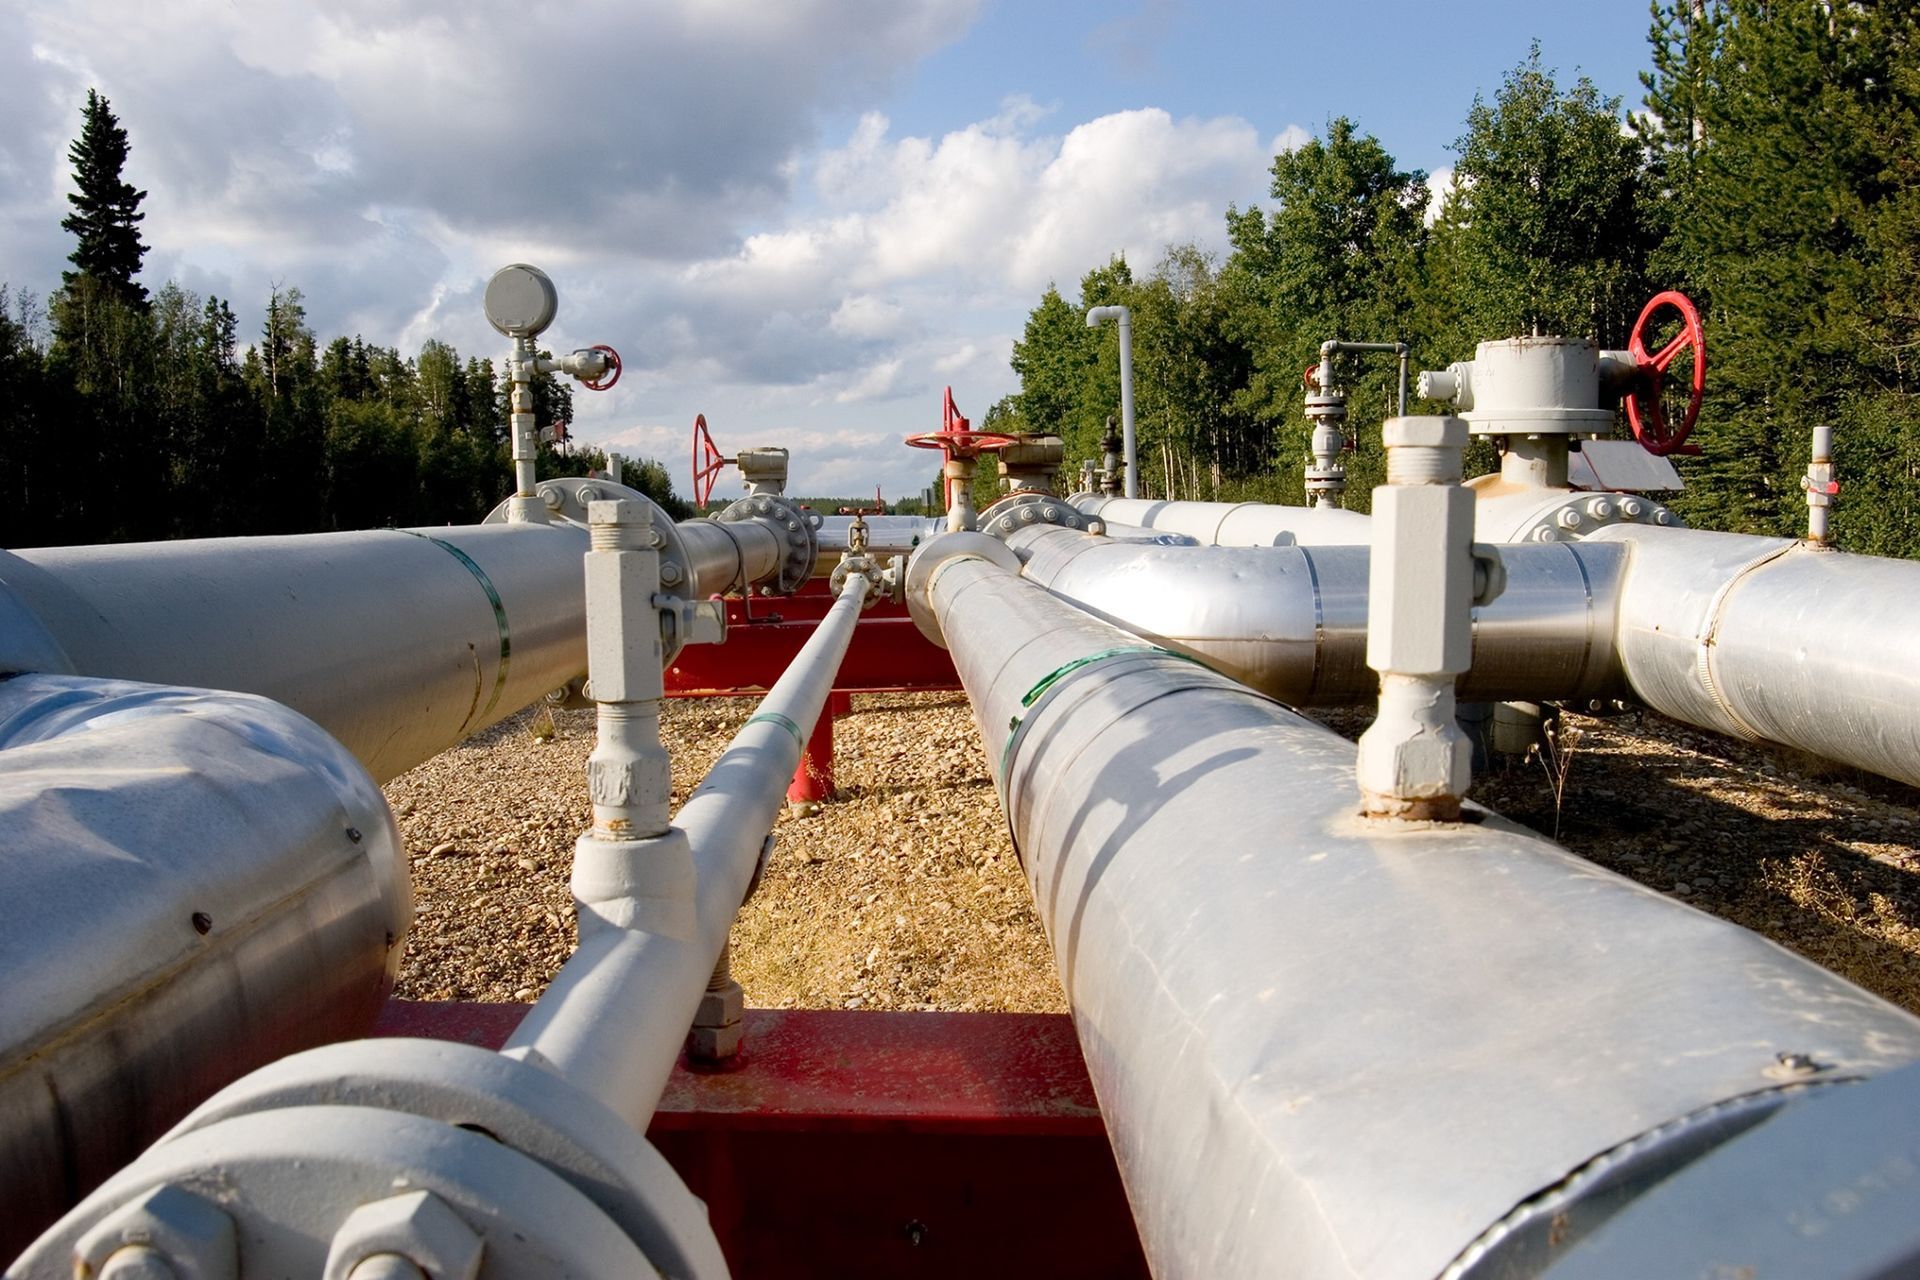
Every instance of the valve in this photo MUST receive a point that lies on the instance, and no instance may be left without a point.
(963, 447)
(606, 380)
(1646, 410)
(707, 461)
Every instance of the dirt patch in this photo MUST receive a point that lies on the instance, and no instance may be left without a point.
(904, 893)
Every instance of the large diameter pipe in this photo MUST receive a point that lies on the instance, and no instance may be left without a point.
(1330, 1047)
(397, 642)
(731, 556)
(615, 1017)
(196, 884)
(1292, 621)
(1235, 524)
(1772, 640)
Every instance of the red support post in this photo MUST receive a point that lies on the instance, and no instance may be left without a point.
(813, 780)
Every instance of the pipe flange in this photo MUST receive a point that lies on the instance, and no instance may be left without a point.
(926, 564)
(289, 1179)
(1580, 513)
(797, 528)
(1025, 510)
(566, 500)
(515, 1103)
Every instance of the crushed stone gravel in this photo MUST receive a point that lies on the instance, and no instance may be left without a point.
(904, 892)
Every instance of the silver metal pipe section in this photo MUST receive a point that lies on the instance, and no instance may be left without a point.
(1291, 622)
(1770, 639)
(613, 1020)
(397, 642)
(886, 535)
(1235, 524)
(1097, 316)
(1330, 1047)
(197, 884)
(731, 556)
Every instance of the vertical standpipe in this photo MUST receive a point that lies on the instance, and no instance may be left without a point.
(1095, 317)
(1308, 1031)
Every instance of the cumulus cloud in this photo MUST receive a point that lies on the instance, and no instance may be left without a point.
(661, 158)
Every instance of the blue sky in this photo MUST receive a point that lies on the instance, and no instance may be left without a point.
(800, 217)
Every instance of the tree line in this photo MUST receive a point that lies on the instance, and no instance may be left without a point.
(130, 416)
(1773, 175)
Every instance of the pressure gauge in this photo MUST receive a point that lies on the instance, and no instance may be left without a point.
(521, 300)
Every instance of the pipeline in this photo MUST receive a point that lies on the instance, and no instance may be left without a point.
(197, 884)
(613, 1019)
(1234, 524)
(1332, 1047)
(1772, 640)
(1291, 622)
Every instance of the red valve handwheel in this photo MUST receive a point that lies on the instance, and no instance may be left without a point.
(1306, 379)
(613, 369)
(956, 438)
(1646, 410)
(707, 462)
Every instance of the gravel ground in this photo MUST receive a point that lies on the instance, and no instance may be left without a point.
(904, 893)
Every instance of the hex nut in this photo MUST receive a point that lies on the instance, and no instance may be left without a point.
(1429, 431)
(418, 1226)
(721, 1008)
(193, 1237)
(713, 1044)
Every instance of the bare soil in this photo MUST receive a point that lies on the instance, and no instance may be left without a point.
(904, 893)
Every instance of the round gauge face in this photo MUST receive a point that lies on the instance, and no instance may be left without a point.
(521, 300)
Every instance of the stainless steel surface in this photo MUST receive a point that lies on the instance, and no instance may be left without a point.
(730, 557)
(1235, 524)
(1325, 1047)
(615, 1016)
(1292, 621)
(397, 642)
(1766, 638)
(886, 535)
(197, 883)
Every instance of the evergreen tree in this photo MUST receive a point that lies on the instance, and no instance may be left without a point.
(106, 208)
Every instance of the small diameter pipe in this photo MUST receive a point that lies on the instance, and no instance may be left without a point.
(1235, 524)
(617, 1013)
(1125, 318)
(1299, 1023)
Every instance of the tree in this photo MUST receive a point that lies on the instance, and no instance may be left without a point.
(106, 214)
(1545, 228)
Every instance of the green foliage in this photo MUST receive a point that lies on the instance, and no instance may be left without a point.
(106, 208)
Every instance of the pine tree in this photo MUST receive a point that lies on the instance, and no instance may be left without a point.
(107, 211)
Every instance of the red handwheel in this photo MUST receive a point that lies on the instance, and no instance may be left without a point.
(612, 374)
(707, 462)
(1646, 407)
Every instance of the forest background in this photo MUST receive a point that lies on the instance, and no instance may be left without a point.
(1772, 172)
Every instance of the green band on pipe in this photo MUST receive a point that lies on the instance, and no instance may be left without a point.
(774, 717)
(1060, 672)
(499, 621)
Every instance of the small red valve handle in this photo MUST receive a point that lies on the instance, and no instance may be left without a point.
(707, 462)
(1645, 411)
(613, 369)
(956, 437)
(1306, 379)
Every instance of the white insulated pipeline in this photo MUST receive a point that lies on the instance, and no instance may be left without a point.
(1291, 621)
(1774, 640)
(196, 884)
(1325, 1046)
(613, 1021)
(1234, 524)
(398, 642)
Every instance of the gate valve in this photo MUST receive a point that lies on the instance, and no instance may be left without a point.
(1646, 411)
(957, 439)
(597, 367)
(605, 381)
(707, 462)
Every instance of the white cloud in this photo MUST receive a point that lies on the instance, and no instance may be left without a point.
(1439, 187)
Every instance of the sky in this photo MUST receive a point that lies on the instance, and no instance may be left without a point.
(802, 218)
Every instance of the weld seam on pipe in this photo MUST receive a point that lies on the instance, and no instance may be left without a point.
(1709, 630)
(499, 619)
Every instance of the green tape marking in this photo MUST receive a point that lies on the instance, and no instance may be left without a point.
(1066, 669)
(499, 619)
(774, 717)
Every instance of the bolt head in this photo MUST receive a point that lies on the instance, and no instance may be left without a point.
(1570, 519)
(418, 1226)
(670, 573)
